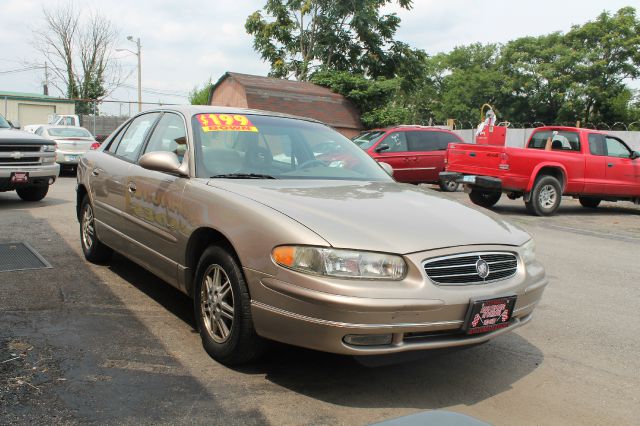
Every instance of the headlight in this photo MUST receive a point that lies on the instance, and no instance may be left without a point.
(529, 251)
(49, 148)
(340, 263)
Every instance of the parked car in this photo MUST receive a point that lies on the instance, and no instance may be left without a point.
(416, 153)
(272, 243)
(72, 142)
(590, 165)
(27, 163)
(55, 120)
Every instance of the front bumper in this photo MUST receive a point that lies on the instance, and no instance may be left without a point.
(320, 320)
(485, 182)
(38, 175)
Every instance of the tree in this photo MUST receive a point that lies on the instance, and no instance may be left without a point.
(200, 95)
(298, 37)
(78, 47)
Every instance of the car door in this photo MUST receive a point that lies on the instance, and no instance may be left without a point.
(426, 158)
(108, 177)
(152, 201)
(396, 156)
(595, 170)
(623, 172)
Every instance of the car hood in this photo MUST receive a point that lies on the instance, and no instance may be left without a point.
(377, 216)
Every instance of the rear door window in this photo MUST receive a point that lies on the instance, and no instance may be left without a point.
(556, 140)
(445, 138)
(596, 144)
(424, 141)
(135, 135)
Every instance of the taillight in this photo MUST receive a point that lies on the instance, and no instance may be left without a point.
(95, 145)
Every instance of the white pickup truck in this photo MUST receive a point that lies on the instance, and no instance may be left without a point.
(56, 120)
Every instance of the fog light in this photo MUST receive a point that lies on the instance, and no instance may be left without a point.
(51, 180)
(367, 339)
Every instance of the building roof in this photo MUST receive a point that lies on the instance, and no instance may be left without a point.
(32, 97)
(298, 98)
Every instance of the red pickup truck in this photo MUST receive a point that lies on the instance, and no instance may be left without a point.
(587, 164)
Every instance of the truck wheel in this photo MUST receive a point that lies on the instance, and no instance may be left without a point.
(33, 193)
(92, 248)
(449, 185)
(223, 309)
(484, 198)
(545, 197)
(590, 202)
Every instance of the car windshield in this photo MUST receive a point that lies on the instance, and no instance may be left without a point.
(368, 139)
(4, 124)
(69, 132)
(255, 146)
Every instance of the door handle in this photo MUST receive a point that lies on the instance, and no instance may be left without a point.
(610, 165)
(132, 187)
(96, 171)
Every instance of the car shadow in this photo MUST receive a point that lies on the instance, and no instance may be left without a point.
(170, 298)
(605, 209)
(421, 380)
(425, 380)
(10, 200)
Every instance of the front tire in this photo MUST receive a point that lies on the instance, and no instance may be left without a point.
(484, 198)
(223, 309)
(92, 248)
(449, 185)
(545, 197)
(590, 202)
(33, 193)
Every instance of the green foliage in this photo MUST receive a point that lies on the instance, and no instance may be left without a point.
(200, 95)
(298, 37)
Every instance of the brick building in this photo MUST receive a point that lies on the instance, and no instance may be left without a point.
(291, 97)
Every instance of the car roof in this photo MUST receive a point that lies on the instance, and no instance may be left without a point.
(411, 127)
(60, 126)
(571, 129)
(191, 110)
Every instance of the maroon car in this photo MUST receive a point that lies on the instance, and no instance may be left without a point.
(416, 153)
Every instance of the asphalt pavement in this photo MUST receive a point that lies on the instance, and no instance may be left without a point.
(81, 343)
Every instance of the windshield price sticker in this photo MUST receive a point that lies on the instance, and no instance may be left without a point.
(226, 123)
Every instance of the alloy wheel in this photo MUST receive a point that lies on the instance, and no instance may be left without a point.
(547, 196)
(217, 303)
(88, 229)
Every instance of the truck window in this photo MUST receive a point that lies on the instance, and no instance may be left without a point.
(596, 144)
(397, 142)
(560, 140)
(423, 141)
(616, 148)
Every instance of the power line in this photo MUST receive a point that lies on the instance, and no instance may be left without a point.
(32, 68)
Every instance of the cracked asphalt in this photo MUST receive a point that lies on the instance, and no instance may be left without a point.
(81, 343)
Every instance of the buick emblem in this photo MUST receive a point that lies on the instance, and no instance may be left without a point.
(483, 268)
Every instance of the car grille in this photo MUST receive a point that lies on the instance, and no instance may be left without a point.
(20, 155)
(461, 269)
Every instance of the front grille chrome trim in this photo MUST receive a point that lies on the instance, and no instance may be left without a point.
(447, 271)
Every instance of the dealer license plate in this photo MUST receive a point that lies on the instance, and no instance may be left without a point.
(469, 179)
(19, 177)
(489, 315)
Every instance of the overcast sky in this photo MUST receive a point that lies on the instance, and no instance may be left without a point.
(184, 43)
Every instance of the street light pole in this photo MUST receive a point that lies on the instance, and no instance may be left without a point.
(139, 54)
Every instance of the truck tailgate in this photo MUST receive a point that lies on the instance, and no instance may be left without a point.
(477, 159)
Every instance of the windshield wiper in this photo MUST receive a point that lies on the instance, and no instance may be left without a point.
(243, 176)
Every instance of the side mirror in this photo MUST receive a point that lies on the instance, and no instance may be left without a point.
(382, 147)
(386, 167)
(635, 154)
(162, 161)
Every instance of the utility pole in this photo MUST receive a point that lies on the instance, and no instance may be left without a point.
(46, 80)
(139, 72)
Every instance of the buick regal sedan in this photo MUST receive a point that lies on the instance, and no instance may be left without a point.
(275, 240)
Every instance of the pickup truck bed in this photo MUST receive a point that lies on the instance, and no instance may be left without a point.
(587, 164)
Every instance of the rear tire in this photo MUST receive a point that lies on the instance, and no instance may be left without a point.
(484, 198)
(92, 248)
(545, 197)
(33, 193)
(448, 185)
(590, 202)
(223, 309)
